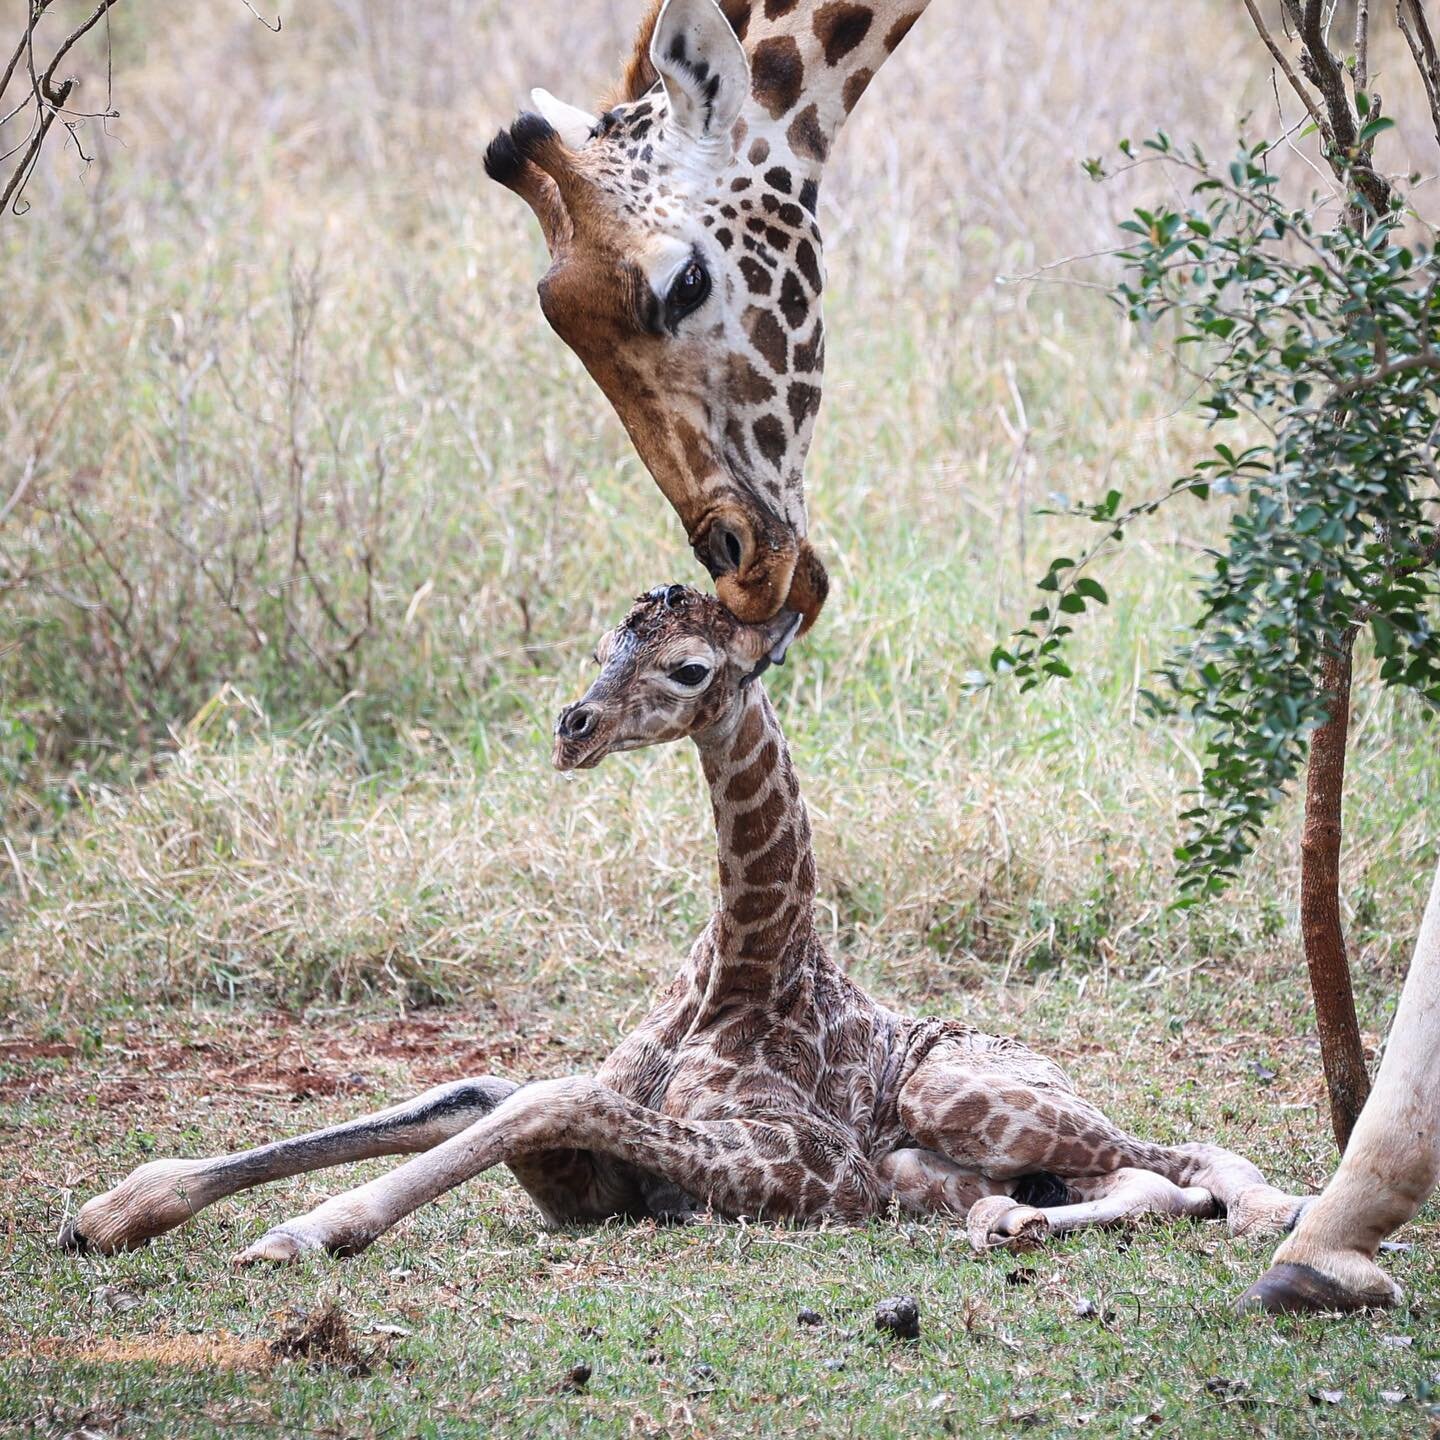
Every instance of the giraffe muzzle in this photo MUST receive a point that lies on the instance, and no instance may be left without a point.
(578, 744)
(760, 568)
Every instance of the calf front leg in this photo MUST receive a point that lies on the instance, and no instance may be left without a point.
(780, 1166)
(163, 1194)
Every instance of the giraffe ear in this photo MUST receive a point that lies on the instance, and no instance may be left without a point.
(703, 67)
(572, 125)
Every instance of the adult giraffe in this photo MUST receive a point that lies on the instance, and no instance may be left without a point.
(686, 263)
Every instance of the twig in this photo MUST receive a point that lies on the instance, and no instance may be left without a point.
(274, 29)
(1362, 43)
(1416, 30)
(32, 154)
(1286, 70)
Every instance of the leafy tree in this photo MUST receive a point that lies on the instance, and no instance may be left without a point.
(1321, 339)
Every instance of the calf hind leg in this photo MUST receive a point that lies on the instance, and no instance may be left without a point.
(777, 1166)
(994, 1122)
(163, 1194)
(1124, 1194)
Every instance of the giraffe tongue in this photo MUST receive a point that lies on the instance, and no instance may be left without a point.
(790, 620)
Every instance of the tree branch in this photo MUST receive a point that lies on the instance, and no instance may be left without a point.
(1278, 55)
(1415, 27)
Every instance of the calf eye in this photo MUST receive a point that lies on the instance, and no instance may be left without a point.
(690, 675)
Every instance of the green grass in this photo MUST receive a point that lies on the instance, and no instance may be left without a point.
(488, 1313)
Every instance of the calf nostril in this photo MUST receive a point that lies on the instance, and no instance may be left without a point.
(725, 548)
(576, 724)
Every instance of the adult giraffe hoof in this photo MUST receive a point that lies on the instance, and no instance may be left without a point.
(1289, 1289)
(996, 1222)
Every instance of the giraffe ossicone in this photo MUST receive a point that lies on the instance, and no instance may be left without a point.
(764, 1082)
(687, 266)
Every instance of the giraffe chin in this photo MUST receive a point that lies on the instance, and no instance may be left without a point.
(782, 580)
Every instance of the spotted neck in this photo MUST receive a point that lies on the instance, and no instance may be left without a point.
(767, 868)
(811, 61)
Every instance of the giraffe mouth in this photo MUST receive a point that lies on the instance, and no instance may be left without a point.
(760, 574)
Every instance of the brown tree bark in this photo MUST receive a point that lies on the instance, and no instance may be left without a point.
(1341, 1052)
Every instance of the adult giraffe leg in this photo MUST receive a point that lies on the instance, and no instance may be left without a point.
(163, 1194)
(1390, 1166)
(778, 1166)
(1019, 1117)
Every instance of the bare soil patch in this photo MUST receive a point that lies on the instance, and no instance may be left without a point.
(280, 1055)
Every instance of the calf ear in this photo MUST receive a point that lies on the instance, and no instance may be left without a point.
(703, 66)
(758, 647)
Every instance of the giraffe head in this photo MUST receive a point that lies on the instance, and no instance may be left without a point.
(686, 265)
(676, 665)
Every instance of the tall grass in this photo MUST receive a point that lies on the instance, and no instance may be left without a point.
(299, 444)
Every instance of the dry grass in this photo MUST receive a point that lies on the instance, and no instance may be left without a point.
(292, 293)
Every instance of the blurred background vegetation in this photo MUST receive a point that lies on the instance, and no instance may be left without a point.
(318, 524)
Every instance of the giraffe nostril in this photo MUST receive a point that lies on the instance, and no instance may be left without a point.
(577, 723)
(725, 548)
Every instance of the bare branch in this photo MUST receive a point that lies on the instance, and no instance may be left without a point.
(1278, 55)
(1415, 27)
(32, 153)
(44, 97)
(1337, 114)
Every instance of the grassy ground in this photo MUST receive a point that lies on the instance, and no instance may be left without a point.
(470, 1319)
(320, 790)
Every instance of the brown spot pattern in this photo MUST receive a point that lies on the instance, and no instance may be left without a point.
(899, 30)
(854, 87)
(805, 135)
(776, 74)
(840, 27)
(767, 337)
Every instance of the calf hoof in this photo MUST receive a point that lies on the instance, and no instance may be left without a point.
(278, 1247)
(152, 1199)
(338, 1228)
(72, 1239)
(1289, 1289)
(1263, 1211)
(997, 1221)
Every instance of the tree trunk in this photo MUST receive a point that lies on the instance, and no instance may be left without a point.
(1340, 1048)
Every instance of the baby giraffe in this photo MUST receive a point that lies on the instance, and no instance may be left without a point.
(764, 1083)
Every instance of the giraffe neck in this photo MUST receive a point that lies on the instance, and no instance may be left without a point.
(767, 868)
(811, 61)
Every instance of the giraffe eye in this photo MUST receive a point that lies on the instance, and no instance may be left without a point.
(690, 675)
(688, 292)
